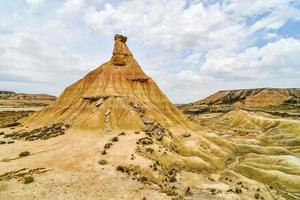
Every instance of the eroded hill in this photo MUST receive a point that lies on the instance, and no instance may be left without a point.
(8, 98)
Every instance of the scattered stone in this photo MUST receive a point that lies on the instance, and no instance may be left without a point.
(107, 112)
(99, 102)
(148, 121)
(145, 141)
(103, 152)
(2, 142)
(137, 132)
(1, 133)
(10, 142)
(188, 191)
(186, 135)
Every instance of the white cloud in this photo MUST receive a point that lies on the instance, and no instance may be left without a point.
(34, 4)
(39, 55)
(168, 24)
(276, 19)
(72, 6)
(274, 60)
(193, 58)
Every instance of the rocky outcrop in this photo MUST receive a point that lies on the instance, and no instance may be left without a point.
(121, 51)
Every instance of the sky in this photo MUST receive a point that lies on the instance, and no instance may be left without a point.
(191, 48)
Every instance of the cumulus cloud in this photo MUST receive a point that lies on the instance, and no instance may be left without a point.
(34, 56)
(276, 59)
(173, 25)
(34, 4)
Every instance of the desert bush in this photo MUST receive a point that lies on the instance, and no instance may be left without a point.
(123, 133)
(102, 162)
(115, 139)
(107, 146)
(28, 179)
(24, 153)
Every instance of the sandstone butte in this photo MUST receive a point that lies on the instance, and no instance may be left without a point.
(116, 95)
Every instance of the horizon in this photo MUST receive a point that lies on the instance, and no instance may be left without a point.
(48, 45)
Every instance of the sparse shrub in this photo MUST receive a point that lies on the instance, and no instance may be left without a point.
(143, 179)
(107, 145)
(103, 152)
(102, 162)
(173, 179)
(28, 179)
(115, 139)
(120, 168)
(24, 153)
(1, 133)
(123, 133)
(2, 142)
(238, 190)
(256, 196)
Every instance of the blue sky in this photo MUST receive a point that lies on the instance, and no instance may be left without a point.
(191, 48)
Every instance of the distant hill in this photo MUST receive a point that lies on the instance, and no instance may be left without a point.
(272, 99)
(261, 97)
(10, 98)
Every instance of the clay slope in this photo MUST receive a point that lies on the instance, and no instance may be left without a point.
(116, 95)
(262, 97)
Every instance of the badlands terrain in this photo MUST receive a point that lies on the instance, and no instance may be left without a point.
(114, 135)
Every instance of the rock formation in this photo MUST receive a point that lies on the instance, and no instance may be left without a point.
(116, 95)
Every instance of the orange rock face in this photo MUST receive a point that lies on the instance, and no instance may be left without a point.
(116, 95)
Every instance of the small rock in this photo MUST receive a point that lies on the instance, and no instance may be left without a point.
(186, 135)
